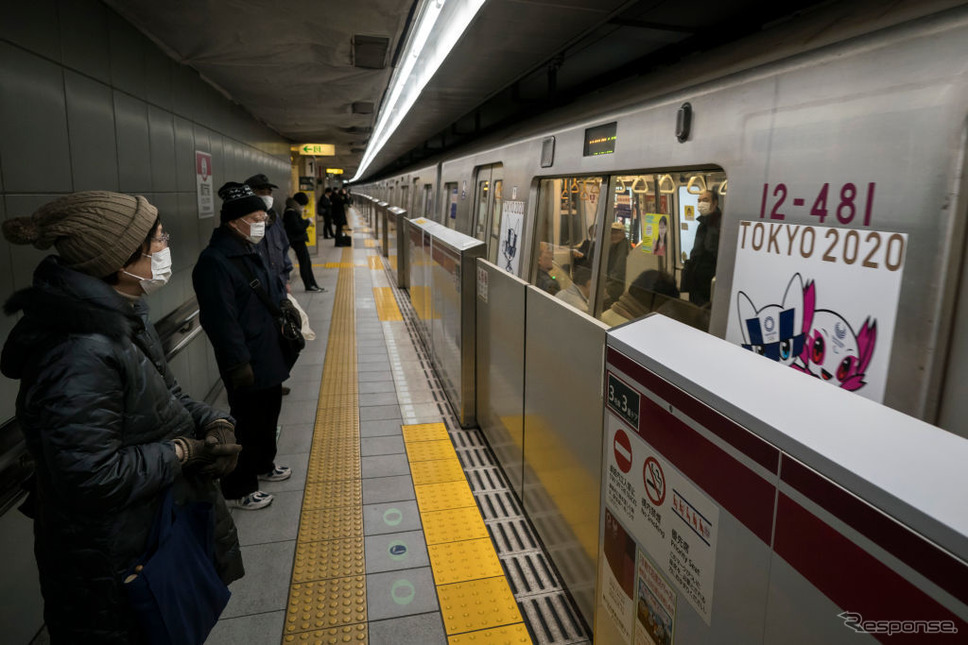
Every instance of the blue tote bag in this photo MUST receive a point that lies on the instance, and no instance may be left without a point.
(174, 589)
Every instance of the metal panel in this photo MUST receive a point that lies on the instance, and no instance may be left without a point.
(162, 136)
(127, 57)
(397, 249)
(563, 436)
(134, 149)
(90, 117)
(33, 124)
(500, 368)
(85, 42)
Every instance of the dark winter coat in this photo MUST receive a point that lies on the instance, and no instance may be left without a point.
(238, 324)
(700, 268)
(324, 208)
(98, 407)
(296, 225)
(275, 250)
(339, 202)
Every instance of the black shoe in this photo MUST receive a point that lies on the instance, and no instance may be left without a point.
(285, 390)
(315, 289)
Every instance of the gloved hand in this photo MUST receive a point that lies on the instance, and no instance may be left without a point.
(241, 376)
(204, 456)
(223, 432)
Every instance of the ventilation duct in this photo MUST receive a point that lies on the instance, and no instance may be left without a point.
(370, 52)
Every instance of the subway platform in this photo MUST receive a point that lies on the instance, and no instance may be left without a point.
(397, 526)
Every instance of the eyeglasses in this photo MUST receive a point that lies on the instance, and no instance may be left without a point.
(162, 239)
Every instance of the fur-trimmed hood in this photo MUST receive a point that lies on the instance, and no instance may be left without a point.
(63, 301)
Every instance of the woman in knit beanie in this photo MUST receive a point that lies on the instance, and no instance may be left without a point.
(108, 427)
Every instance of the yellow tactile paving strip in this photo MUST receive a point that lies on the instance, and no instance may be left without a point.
(386, 304)
(475, 600)
(374, 263)
(327, 597)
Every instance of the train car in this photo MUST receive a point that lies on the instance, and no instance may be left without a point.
(800, 192)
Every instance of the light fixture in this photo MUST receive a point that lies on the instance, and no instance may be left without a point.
(446, 20)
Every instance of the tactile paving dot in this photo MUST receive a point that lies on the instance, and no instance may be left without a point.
(428, 450)
(425, 432)
(331, 523)
(347, 634)
(336, 492)
(326, 604)
(464, 560)
(328, 559)
(331, 469)
(438, 497)
(453, 524)
(478, 604)
(507, 635)
(328, 401)
(436, 471)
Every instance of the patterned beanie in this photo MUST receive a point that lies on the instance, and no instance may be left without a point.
(238, 200)
(94, 232)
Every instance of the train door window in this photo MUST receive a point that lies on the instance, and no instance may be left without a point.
(569, 209)
(663, 232)
(450, 205)
(483, 194)
(428, 200)
(496, 209)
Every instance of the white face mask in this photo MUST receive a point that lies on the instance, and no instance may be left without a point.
(257, 231)
(268, 200)
(160, 271)
(705, 208)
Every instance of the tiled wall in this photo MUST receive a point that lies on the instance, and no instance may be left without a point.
(87, 102)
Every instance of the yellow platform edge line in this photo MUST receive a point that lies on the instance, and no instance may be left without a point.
(339, 382)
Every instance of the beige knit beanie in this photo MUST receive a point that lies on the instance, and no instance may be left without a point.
(95, 232)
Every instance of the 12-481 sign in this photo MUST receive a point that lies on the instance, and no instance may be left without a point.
(623, 400)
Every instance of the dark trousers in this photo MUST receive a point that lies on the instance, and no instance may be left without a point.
(305, 264)
(256, 415)
(327, 227)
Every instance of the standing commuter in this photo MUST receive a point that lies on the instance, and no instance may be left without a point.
(276, 247)
(228, 278)
(325, 208)
(339, 212)
(109, 428)
(296, 226)
(700, 268)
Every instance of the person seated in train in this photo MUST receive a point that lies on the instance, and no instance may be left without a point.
(618, 253)
(109, 428)
(700, 268)
(585, 253)
(544, 279)
(576, 294)
(252, 358)
(649, 291)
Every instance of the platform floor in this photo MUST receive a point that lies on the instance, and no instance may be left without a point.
(397, 526)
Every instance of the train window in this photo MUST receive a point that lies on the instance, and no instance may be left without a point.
(663, 241)
(449, 213)
(428, 200)
(569, 209)
(487, 179)
(495, 237)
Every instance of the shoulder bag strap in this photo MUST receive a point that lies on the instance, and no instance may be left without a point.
(256, 285)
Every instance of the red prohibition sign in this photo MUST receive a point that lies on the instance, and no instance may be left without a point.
(623, 451)
(654, 481)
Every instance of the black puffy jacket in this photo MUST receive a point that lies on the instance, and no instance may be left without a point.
(98, 407)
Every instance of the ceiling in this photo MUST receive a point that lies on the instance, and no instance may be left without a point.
(317, 70)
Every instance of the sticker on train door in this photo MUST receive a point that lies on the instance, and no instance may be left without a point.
(821, 300)
(509, 247)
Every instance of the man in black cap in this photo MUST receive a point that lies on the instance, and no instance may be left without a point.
(245, 336)
(296, 226)
(276, 248)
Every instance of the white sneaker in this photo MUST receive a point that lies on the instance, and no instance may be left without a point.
(277, 474)
(251, 502)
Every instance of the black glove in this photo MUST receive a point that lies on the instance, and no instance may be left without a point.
(198, 455)
(241, 376)
(223, 432)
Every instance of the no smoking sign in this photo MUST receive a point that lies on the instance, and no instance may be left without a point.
(654, 480)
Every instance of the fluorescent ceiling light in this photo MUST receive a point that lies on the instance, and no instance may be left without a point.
(446, 20)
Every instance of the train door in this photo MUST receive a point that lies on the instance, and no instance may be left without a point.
(487, 176)
(494, 240)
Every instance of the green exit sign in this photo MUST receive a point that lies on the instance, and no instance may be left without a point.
(316, 149)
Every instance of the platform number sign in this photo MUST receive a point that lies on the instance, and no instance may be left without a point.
(623, 400)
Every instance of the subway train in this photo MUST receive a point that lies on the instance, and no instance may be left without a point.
(819, 166)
